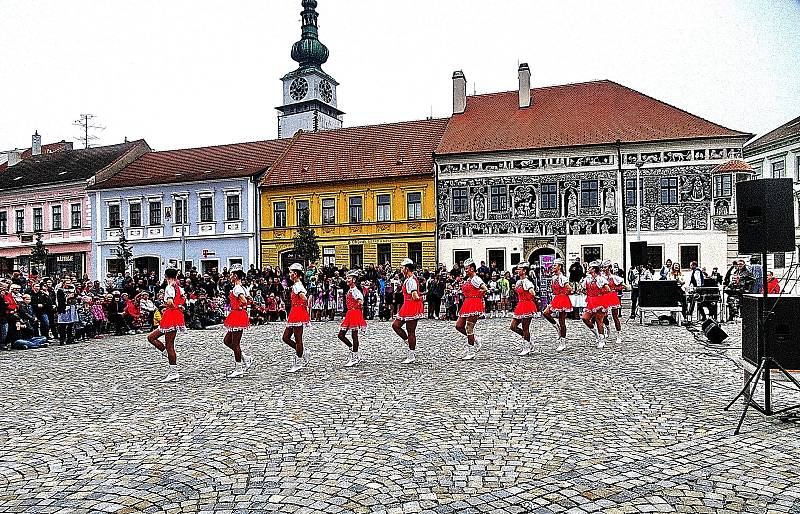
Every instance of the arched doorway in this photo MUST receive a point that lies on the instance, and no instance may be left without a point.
(544, 256)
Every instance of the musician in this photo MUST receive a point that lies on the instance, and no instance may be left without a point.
(634, 276)
(695, 280)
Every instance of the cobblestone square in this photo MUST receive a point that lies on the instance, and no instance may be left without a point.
(633, 428)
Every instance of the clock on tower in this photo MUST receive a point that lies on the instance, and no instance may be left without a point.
(309, 94)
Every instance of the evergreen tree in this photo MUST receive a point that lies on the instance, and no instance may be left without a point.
(39, 253)
(306, 246)
(124, 249)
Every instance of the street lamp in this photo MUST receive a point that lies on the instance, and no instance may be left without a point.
(184, 216)
(639, 163)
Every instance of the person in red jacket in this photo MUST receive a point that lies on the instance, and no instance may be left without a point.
(353, 321)
(236, 322)
(171, 323)
(773, 284)
(472, 309)
(410, 312)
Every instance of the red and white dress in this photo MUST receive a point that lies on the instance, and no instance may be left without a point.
(298, 316)
(526, 304)
(172, 320)
(561, 301)
(594, 293)
(611, 299)
(354, 319)
(473, 298)
(411, 309)
(237, 319)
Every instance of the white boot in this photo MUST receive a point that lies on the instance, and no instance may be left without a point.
(172, 376)
(248, 360)
(306, 357)
(601, 341)
(352, 361)
(526, 349)
(411, 356)
(297, 364)
(478, 345)
(619, 337)
(238, 370)
(562, 344)
(469, 353)
(464, 352)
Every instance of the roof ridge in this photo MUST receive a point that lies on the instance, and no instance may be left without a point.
(222, 145)
(755, 143)
(374, 125)
(282, 156)
(552, 86)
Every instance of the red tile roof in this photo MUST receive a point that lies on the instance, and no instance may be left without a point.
(785, 131)
(194, 164)
(587, 113)
(359, 153)
(732, 166)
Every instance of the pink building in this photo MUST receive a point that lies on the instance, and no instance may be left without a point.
(46, 194)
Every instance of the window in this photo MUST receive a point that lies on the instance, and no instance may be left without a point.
(232, 209)
(113, 215)
(459, 200)
(414, 201)
(303, 213)
(20, 221)
(779, 169)
(384, 253)
(206, 209)
(155, 213)
(37, 219)
(75, 215)
(384, 208)
(56, 217)
(329, 256)
(279, 210)
(415, 253)
(797, 168)
(779, 260)
(356, 256)
(135, 214)
(689, 253)
(655, 256)
(496, 259)
(669, 191)
(328, 211)
(498, 199)
(3, 222)
(592, 253)
(235, 260)
(459, 256)
(206, 265)
(722, 185)
(356, 210)
(549, 199)
(630, 191)
(589, 196)
(181, 208)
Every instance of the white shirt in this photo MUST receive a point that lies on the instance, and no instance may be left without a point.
(526, 284)
(356, 294)
(616, 279)
(559, 279)
(599, 280)
(476, 281)
(410, 285)
(169, 292)
(298, 288)
(239, 291)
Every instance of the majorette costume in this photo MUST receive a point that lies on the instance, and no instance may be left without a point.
(172, 319)
(473, 298)
(526, 304)
(354, 319)
(238, 318)
(298, 316)
(411, 309)
(561, 301)
(594, 293)
(611, 299)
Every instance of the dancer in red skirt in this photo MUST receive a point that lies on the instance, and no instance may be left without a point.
(526, 307)
(472, 309)
(560, 304)
(412, 310)
(611, 299)
(354, 319)
(298, 319)
(595, 312)
(171, 322)
(237, 321)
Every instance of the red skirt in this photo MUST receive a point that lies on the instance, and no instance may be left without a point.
(611, 300)
(237, 321)
(471, 307)
(561, 303)
(353, 320)
(298, 316)
(411, 309)
(525, 309)
(596, 304)
(172, 321)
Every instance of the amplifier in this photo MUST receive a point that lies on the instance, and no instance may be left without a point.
(782, 313)
(659, 293)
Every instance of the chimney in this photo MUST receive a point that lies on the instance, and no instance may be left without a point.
(14, 156)
(459, 92)
(524, 85)
(36, 144)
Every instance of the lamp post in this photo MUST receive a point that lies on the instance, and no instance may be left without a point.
(639, 163)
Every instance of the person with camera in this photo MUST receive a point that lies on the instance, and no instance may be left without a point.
(67, 310)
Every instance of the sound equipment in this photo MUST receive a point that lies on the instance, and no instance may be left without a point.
(765, 215)
(638, 253)
(659, 293)
(706, 294)
(782, 329)
(713, 332)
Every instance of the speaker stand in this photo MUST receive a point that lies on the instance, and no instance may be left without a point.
(766, 364)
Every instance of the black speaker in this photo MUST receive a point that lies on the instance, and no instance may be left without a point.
(783, 330)
(659, 293)
(713, 332)
(765, 215)
(638, 253)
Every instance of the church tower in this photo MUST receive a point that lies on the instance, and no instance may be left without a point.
(309, 94)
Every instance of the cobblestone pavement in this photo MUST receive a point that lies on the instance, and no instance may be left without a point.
(633, 428)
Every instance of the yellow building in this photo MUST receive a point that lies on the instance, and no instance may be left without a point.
(368, 192)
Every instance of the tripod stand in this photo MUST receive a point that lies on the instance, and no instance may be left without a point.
(765, 365)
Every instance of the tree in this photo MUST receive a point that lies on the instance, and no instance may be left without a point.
(306, 246)
(124, 249)
(39, 253)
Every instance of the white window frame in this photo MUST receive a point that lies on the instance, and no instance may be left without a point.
(237, 193)
(131, 203)
(202, 195)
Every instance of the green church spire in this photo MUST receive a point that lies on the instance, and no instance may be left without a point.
(309, 51)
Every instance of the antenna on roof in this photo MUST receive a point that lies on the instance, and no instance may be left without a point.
(84, 123)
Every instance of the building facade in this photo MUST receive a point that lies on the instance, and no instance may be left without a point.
(45, 194)
(367, 192)
(776, 154)
(195, 203)
(535, 174)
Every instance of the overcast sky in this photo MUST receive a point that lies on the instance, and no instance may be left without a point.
(184, 73)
